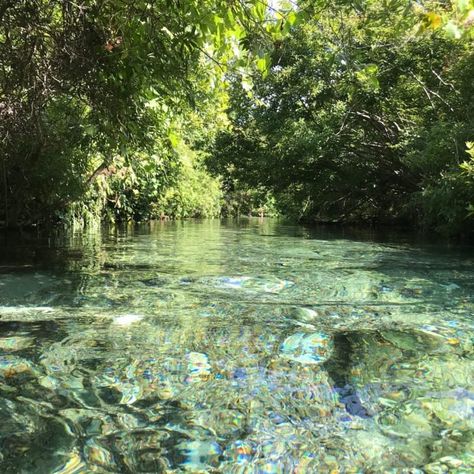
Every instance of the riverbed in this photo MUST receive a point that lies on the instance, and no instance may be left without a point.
(248, 346)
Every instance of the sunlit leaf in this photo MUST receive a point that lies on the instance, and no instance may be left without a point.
(371, 69)
(463, 5)
(434, 20)
(368, 76)
(247, 83)
(174, 138)
(452, 30)
(291, 18)
(263, 64)
(168, 32)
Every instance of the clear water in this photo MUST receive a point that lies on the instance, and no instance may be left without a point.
(249, 347)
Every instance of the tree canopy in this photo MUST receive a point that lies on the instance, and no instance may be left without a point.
(365, 115)
(333, 111)
(87, 85)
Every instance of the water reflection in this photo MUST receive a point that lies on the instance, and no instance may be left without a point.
(247, 347)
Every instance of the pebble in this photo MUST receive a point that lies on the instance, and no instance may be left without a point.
(198, 367)
(127, 319)
(11, 366)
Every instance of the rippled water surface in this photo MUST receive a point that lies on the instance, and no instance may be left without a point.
(250, 347)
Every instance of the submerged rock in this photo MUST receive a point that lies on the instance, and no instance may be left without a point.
(154, 282)
(66, 382)
(130, 393)
(74, 465)
(306, 314)
(15, 343)
(25, 309)
(98, 455)
(312, 348)
(127, 319)
(240, 452)
(455, 409)
(254, 284)
(199, 455)
(198, 367)
(11, 366)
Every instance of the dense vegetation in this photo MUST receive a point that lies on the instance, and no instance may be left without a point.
(101, 102)
(326, 111)
(363, 116)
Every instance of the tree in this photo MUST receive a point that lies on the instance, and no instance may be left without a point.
(82, 82)
(361, 117)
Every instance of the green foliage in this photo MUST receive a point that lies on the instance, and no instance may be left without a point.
(241, 200)
(339, 111)
(107, 80)
(446, 203)
(467, 172)
(194, 194)
(454, 18)
(360, 118)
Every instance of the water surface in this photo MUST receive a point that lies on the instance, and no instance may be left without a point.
(250, 347)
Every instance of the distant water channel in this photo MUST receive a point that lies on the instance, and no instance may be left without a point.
(245, 347)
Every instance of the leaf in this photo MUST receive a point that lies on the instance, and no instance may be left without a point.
(452, 30)
(374, 83)
(470, 149)
(263, 65)
(90, 130)
(218, 20)
(368, 76)
(259, 10)
(247, 84)
(168, 32)
(463, 5)
(291, 18)
(371, 69)
(174, 139)
(433, 20)
(229, 18)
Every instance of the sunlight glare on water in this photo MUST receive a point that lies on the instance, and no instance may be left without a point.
(245, 347)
